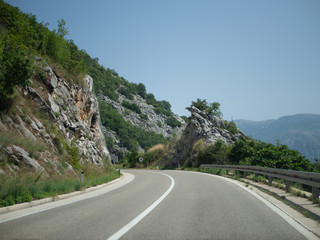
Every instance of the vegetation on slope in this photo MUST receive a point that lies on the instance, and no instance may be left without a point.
(22, 42)
(22, 38)
(130, 136)
(244, 152)
(27, 187)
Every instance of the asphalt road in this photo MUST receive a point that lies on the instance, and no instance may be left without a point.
(178, 205)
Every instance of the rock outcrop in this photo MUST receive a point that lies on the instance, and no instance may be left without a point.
(154, 122)
(210, 129)
(59, 116)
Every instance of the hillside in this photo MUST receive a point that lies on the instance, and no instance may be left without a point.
(208, 139)
(300, 132)
(52, 112)
(132, 119)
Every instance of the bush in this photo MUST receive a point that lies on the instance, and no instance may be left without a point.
(232, 127)
(131, 159)
(15, 68)
(214, 154)
(173, 122)
(132, 106)
(251, 152)
(144, 117)
(208, 108)
(125, 91)
(130, 136)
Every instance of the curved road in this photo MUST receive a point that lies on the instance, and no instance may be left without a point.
(158, 205)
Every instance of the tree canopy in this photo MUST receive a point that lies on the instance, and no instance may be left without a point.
(208, 108)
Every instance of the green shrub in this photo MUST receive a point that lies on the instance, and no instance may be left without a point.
(232, 127)
(214, 154)
(143, 117)
(173, 122)
(130, 136)
(15, 68)
(125, 91)
(132, 106)
(26, 187)
(251, 152)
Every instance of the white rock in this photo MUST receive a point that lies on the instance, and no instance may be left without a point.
(53, 105)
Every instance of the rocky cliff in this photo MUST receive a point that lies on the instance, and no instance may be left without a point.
(201, 127)
(143, 116)
(53, 125)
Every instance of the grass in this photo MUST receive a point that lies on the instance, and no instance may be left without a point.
(213, 171)
(27, 187)
(12, 138)
(156, 147)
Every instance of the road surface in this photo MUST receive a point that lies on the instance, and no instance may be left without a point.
(158, 205)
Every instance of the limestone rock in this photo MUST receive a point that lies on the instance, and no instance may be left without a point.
(154, 122)
(21, 156)
(54, 106)
(201, 126)
(73, 117)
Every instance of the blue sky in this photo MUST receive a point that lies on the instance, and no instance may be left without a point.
(259, 59)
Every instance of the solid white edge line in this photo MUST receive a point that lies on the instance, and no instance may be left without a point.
(137, 219)
(296, 225)
(51, 205)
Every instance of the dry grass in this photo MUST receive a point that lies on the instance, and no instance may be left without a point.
(13, 138)
(156, 147)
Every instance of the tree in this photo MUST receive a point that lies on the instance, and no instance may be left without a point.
(141, 89)
(62, 30)
(15, 68)
(214, 109)
(202, 105)
(208, 108)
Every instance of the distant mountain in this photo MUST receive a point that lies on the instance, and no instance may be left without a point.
(300, 132)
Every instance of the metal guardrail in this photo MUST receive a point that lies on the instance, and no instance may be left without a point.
(307, 178)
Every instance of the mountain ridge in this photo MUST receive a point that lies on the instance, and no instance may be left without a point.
(298, 131)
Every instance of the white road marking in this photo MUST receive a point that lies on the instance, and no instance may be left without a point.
(137, 219)
(47, 206)
(300, 228)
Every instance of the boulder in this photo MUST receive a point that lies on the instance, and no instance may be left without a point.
(22, 157)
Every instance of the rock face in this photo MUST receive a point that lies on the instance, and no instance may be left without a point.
(23, 157)
(201, 126)
(154, 122)
(71, 122)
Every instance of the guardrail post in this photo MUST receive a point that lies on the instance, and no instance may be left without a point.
(244, 174)
(82, 176)
(288, 184)
(270, 180)
(315, 194)
(227, 172)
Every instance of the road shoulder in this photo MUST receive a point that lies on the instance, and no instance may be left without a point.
(307, 223)
(24, 209)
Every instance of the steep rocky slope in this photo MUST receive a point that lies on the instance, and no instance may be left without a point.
(131, 117)
(151, 122)
(53, 126)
